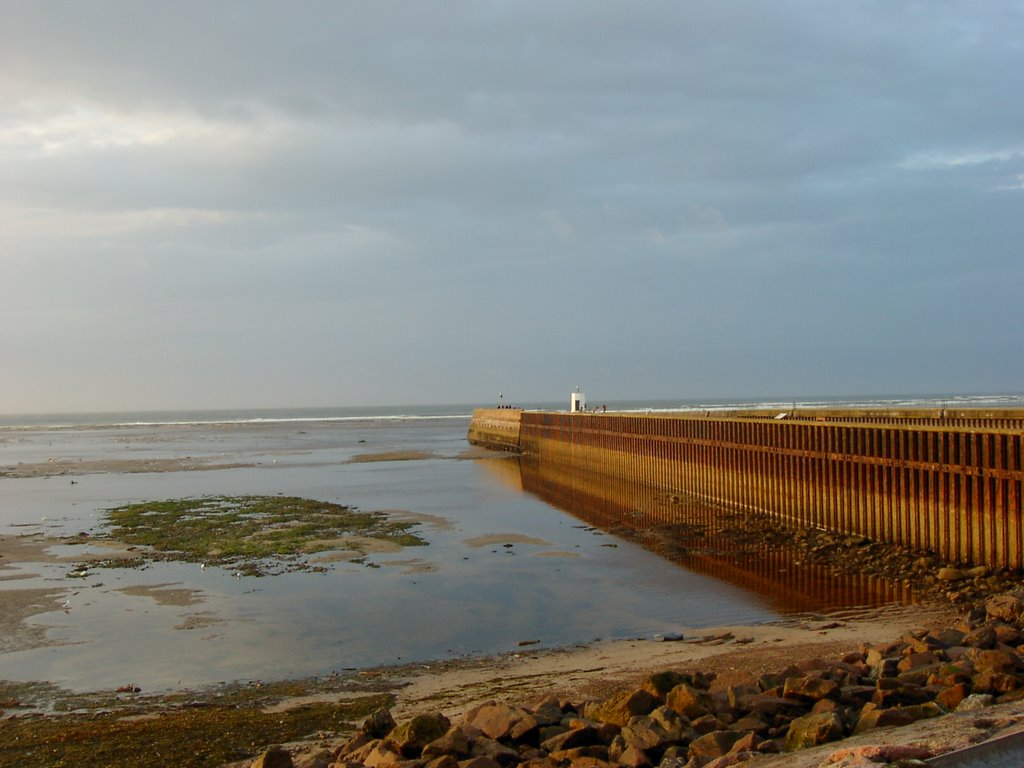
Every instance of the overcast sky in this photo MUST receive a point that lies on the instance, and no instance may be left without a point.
(337, 203)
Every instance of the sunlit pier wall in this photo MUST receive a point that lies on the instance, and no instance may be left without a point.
(949, 481)
(496, 428)
(688, 532)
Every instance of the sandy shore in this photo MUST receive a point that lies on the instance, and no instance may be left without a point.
(735, 654)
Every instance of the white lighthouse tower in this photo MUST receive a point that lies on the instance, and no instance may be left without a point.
(577, 402)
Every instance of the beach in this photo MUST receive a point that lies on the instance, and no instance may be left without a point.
(506, 596)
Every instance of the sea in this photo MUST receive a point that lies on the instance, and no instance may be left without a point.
(504, 568)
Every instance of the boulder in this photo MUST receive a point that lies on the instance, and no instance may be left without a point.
(412, 736)
(494, 750)
(454, 742)
(809, 688)
(677, 728)
(661, 683)
(975, 702)
(577, 737)
(478, 762)
(689, 701)
(811, 730)
(714, 744)
(950, 698)
(643, 733)
(982, 637)
(382, 755)
(273, 758)
(496, 720)
(996, 661)
(1005, 608)
(320, 759)
(379, 724)
(619, 709)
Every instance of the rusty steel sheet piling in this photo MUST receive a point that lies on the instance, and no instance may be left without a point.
(947, 481)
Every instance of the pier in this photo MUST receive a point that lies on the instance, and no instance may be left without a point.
(943, 480)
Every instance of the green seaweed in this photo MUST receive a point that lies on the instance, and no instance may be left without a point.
(185, 736)
(242, 531)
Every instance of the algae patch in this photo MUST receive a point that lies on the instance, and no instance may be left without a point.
(253, 533)
(194, 734)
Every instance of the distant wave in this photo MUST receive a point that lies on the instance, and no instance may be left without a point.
(455, 412)
(185, 419)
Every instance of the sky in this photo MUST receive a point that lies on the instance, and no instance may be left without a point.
(253, 203)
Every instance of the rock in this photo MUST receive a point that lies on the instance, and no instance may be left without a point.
(643, 733)
(872, 716)
(677, 727)
(811, 730)
(1007, 635)
(273, 758)
(383, 754)
(917, 660)
(1005, 608)
(950, 698)
(595, 753)
(975, 702)
(494, 750)
(714, 744)
(454, 742)
(444, 761)
(321, 759)
(982, 637)
(479, 762)
(379, 724)
(661, 683)
(412, 736)
(689, 701)
(358, 754)
(950, 574)
(950, 637)
(547, 713)
(746, 743)
(577, 737)
(496, 720)
(619, 709)
(809, 688)
(877, 754)
(996, 661)
(632, 757)
(995, 683)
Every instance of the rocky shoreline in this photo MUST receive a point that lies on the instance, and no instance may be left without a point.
(680, 719)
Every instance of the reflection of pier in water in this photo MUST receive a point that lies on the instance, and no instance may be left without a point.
(705, 540)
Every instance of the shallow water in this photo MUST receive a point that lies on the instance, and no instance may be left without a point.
(561, 581)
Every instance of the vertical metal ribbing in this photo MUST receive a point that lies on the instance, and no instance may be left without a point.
(914, 487)
(859, 495)
(954, 491)
(836, 522)
(962, 503)
(997, 504)
(942, 513)
(981, 463)
(977, 514)
(1014, 537)
(889, 485)
(941, 504)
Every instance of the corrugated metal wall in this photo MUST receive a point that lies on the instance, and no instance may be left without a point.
(954, 489)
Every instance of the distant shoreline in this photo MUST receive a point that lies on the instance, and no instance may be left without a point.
(342, 414)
